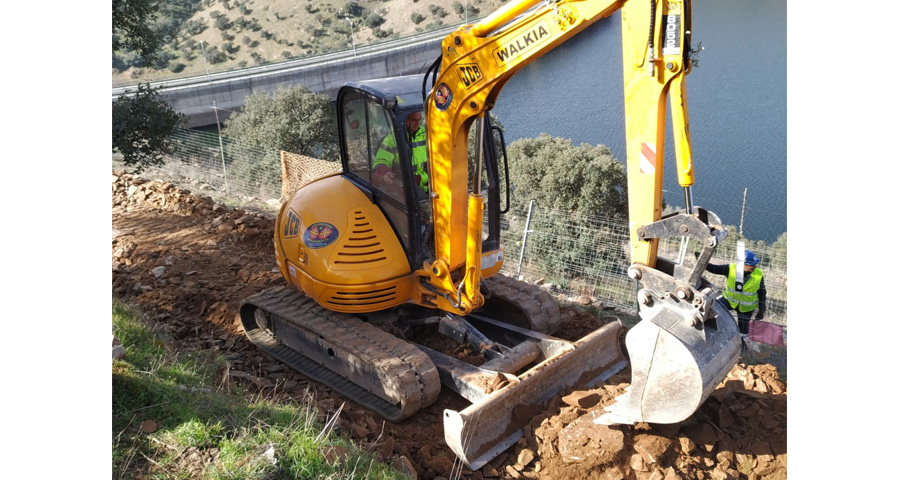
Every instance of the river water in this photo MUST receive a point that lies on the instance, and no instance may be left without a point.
(737, 100)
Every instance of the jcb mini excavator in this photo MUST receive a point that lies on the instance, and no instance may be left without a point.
(371, 262)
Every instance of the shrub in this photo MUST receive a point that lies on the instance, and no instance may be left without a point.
(222, 23)
(416, 18)
(162, 60)
(584, 180)
(291, 119)
(438, 11)
(195, 27)
(214, 55)
(177, 67)
(373, 20)
(286, 54)
(353, 9)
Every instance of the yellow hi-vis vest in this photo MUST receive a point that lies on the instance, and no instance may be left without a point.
(745, 299)
(387, 155)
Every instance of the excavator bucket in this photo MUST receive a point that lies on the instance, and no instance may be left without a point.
(504, 403)
(674, 369)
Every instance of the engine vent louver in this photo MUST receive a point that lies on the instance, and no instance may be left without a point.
(362, 247)
(371, 297)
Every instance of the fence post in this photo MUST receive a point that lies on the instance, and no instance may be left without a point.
(221, 147)
(743, 207)
(524, 239)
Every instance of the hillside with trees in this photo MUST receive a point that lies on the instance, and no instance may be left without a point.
(244, 33)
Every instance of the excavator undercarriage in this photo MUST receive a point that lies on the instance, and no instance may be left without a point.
(374, 360)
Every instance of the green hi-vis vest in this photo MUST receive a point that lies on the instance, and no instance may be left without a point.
(387, 155)
(744, 300)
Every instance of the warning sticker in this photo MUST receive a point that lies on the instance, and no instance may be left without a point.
(672, 35)
(648, 158)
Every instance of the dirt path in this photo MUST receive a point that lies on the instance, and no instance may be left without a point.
(188, 262)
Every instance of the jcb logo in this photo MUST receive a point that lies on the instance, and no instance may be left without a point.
(291, 224)
(469, 73)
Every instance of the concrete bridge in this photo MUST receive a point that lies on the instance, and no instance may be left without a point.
(195, 96)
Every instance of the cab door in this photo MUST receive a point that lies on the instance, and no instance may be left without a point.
(365, 125)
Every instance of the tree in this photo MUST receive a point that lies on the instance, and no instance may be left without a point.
(132, 27)
(584, 180)
(373, 20)
(574, 187)
(142, 126)
(292, 119)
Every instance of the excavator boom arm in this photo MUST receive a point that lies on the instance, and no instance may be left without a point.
(478, 60)
(684, 344)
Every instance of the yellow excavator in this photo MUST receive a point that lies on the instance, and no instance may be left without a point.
(376, 263)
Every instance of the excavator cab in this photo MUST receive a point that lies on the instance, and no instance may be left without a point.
(372, 128)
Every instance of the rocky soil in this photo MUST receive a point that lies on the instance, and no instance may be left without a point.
(187, 262)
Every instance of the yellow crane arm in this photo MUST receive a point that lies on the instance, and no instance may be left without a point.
(476, 62)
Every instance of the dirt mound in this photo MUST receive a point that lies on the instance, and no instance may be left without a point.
(187, 262)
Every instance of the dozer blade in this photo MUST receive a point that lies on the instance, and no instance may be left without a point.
(492, 424)
(674, 370)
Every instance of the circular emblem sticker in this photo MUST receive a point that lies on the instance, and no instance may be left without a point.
(442, 97)
(320, 235)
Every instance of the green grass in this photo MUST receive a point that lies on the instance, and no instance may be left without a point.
(203, 432)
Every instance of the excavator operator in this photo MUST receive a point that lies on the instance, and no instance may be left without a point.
(386, 164)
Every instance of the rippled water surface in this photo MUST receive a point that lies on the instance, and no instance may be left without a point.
(737, 105)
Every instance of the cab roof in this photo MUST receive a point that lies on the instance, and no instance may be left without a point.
(406, 89)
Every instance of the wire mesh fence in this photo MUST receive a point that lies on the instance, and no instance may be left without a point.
(589, 256)
(578, 255)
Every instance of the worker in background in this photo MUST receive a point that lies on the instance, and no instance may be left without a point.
(387, 165)
(744, 298)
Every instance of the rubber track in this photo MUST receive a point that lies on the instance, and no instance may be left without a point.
(401, 367)
(535, 303)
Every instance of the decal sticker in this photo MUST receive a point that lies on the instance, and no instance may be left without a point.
(489, 261)
(442, 97)
(469, 73)
(291, 224)
(292, 271)
(320, 235)
(528, 40)
(672, 35)
(648, 158)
